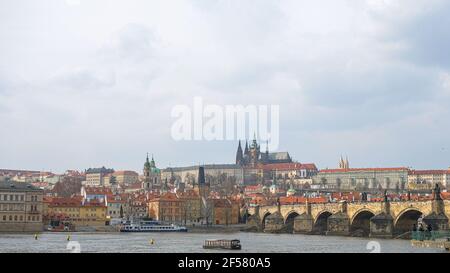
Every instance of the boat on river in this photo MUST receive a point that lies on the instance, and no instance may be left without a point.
(150, 226)
(222, 244)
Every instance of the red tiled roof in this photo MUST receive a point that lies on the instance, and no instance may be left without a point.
(427, 172)
(168, 196)
(134, 186)
(94, 203)
(98, 190)
(363, 170)
(290, 166)
(65, 202)
(302, 200)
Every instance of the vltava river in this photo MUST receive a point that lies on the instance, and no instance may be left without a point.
(192, 242)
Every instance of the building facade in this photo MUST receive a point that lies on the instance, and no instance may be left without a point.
(166, 208)
(425, 180)
(188, 175)
(98, 176)
(352, 179)
(126, 177)
(21, 207)
(77, 211)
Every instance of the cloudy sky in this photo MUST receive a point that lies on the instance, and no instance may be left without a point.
(92, 83)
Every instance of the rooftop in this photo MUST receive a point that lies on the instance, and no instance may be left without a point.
(364, 170)
(17, 186)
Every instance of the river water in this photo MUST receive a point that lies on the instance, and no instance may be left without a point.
(192, 242)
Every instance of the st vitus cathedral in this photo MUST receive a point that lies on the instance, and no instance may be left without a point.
(252, 155)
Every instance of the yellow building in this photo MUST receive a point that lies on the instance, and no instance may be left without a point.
(192, 207)
(126, 177)
(427, 179)
(93, 213)
(73, 209)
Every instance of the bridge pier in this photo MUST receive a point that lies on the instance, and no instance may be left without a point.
(275, 223)
(339, 223)
(254, 221)
(304, 224)
(437, 218)
(382, 226)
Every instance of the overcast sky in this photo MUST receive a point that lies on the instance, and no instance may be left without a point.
(92, 83)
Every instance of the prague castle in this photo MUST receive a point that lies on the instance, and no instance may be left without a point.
(252, 156)
(251, 167)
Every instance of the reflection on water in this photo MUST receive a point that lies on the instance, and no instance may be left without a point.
(192, 242)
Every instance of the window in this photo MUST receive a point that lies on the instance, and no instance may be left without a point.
(4, 217)
(15, 218)
(21, 198)
(10, 218)
(21, 218)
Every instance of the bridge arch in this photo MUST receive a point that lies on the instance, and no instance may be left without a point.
(321, 222)
(360, 222)
(406, 219)
(289, 220)
(263, 219)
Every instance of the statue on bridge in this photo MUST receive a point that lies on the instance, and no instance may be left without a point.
(364, 196)
(385, 196)
(437, 192)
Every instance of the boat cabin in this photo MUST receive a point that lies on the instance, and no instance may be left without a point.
(223, 244)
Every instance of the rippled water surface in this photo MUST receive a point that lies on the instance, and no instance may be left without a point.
(192, 242)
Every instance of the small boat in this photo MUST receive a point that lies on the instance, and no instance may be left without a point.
(222, 244)
(151, 226)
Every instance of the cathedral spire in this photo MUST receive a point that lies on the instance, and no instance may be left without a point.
(341, 163)
(239, 155)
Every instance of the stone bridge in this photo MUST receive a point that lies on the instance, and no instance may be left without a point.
(374, 219)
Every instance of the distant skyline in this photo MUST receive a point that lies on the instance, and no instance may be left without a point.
(92, 83)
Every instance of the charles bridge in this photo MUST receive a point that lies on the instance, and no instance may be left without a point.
(375, 219)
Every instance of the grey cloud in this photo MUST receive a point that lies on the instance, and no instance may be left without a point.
(84, 80)
(425, 36)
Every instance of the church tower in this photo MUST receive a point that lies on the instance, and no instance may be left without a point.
(254, 153)
(343, 164)
(147, 183)
(239, 155)
(202, 186)
(152, 175)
